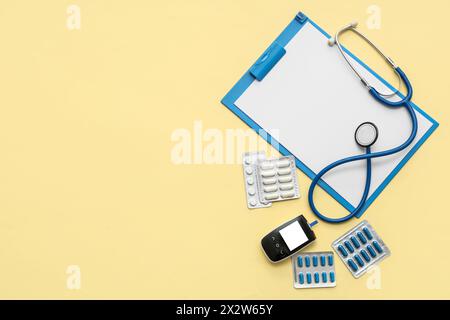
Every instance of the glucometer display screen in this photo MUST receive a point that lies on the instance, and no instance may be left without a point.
(293, 235)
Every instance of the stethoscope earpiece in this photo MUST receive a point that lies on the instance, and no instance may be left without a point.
(334, 41)
(366, 134)
(331, 41)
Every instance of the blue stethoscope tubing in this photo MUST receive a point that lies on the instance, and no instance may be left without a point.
(368, 156)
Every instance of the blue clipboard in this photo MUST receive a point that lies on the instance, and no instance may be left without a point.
(263, 66)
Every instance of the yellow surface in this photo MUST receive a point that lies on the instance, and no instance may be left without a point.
(86, 176)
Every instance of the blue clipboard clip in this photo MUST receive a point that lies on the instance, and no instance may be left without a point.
(267, 61)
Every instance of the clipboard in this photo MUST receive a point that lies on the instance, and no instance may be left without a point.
(300, 84)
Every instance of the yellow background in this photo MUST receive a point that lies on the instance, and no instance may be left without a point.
(86, 176)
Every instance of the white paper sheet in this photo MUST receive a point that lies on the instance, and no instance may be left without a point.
(315, 103)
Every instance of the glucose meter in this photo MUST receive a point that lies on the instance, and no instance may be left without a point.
(287, 239)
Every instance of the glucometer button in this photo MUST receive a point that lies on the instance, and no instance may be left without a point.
(330, 260)
(316, 277)
(362, 238)
(359, 260)
(355, 242)
(349, 247)
(377, 247)
(367, 233)
(352, 265)
(315, 261)
(307, 262)
(365, 255)
(342, 251)
(323, 261)
(371, 251)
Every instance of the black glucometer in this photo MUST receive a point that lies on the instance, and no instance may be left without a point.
(287, 239)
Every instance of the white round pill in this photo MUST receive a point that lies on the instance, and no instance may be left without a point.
(251, 191)
(249, 170)
(253, 202)
(250, 181)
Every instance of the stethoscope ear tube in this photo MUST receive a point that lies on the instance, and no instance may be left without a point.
(403, 101)
(364, 197)
(352, 27)
(367, 133)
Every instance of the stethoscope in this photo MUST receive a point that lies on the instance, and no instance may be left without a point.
(367, 133)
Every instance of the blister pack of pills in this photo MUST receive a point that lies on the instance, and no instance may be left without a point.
(360, 248)
(269, 180)
(250, 164)
(314, 270)
(278, 180)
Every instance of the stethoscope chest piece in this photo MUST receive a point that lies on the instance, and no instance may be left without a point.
(366, 134)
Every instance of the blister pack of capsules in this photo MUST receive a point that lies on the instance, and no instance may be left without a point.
(269, 180)
(360, 248)
(314, 270)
